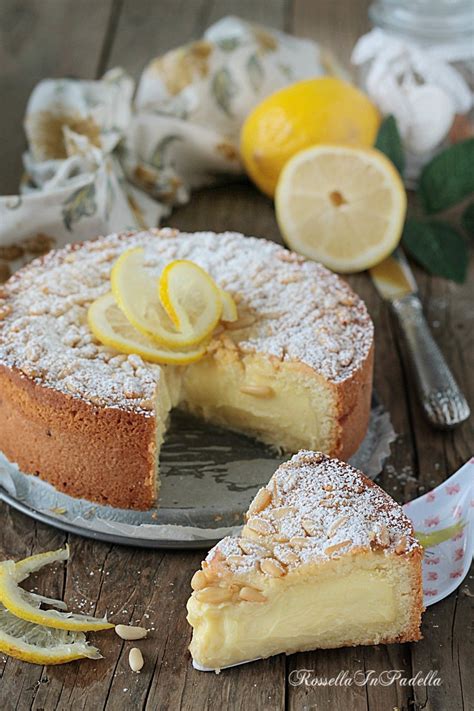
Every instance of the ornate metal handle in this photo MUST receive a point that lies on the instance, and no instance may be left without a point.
(444, 404)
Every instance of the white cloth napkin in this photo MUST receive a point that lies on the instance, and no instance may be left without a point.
(98, 162)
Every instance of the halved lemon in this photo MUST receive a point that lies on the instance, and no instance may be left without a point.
(42, 645)
(26, 605)
(342, 206)
(111, 327)
(168, 323)
(190, 297)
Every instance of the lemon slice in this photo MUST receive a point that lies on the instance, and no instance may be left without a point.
(41, 645)
(26, 605)
(135, 292)
(229, 308)
(33, 563)
(341, 206)
(190, 298)
(111, 327)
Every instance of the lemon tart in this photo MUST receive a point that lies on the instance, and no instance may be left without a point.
(326, 559)
(292, 368)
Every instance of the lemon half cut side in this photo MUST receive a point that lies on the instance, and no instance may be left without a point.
(342, 206)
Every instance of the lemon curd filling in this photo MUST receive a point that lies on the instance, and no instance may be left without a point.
(273, 402)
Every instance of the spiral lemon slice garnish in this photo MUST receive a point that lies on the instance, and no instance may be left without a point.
(182, 312)
(111, 327)
(190, 298)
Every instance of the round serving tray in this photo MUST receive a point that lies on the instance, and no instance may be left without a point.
(208, 478)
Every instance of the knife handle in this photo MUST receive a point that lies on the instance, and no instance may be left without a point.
(443, 403)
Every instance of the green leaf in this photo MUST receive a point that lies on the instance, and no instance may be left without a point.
(467, 219)
(438, 247)
(224, 89)
(255, 72)
(389, 142)
(448, 178)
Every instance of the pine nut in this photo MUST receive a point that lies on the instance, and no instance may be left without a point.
(287, 557)
(310, 526)
(298, 541)
(135, 659)
(260, 502)
(250, 547)
(199, 580)
(237, 559)
(242, 322)
(129, 632)
(337, 524)
(259, 525)
(383, 536)
(251, 595)
(263, 391)
(283, 511)
(272, 567)
(214, 596)
(401, 545)
(337, 546)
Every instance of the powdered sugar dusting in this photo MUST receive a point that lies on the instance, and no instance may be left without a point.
(320, 508)
(289, 308)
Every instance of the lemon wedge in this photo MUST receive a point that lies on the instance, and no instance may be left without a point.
(342, 206)
(42, 645)
(190, 298)
(110, 326)
(189, 311)
(26, 605)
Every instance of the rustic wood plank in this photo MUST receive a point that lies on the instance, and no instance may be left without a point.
(274, 13)
(336, 25)
(148, 28)
(39, 39)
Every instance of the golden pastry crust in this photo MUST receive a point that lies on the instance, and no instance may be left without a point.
(101, 454)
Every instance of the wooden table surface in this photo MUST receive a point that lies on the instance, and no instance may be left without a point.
(41, 38)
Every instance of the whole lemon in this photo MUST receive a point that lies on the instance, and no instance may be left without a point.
(323, 110)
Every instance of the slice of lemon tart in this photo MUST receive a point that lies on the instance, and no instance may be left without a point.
(290, 361)
(326, 559)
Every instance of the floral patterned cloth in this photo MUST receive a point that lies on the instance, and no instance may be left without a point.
(98, 162)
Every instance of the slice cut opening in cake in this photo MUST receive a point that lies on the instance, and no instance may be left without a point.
(273, 402)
